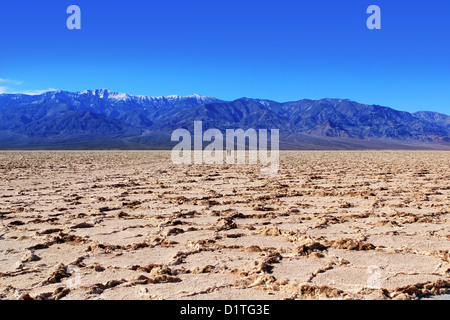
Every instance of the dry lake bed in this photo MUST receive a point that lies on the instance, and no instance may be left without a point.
(133, 225)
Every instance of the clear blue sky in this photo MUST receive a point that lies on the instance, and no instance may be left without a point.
(280, 50)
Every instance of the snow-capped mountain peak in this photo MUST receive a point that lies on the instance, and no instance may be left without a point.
(112, 95)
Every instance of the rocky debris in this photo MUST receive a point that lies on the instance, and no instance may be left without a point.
(333, 214)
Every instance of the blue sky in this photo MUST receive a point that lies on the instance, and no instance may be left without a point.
(280, 50)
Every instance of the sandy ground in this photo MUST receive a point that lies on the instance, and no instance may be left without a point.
(132, 225)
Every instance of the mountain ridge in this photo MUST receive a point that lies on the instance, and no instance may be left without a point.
(104, 119)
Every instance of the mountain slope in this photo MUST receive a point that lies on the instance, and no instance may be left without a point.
(434, 117)
(101, 119)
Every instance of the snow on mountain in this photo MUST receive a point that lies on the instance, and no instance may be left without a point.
(111, 95)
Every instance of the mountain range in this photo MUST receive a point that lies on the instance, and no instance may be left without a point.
(102, 119)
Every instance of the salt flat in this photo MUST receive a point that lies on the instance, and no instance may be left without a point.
(133, 225)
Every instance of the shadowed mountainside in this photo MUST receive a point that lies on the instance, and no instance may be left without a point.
(101, 119)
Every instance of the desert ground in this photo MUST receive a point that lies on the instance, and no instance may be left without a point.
(133, 225)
